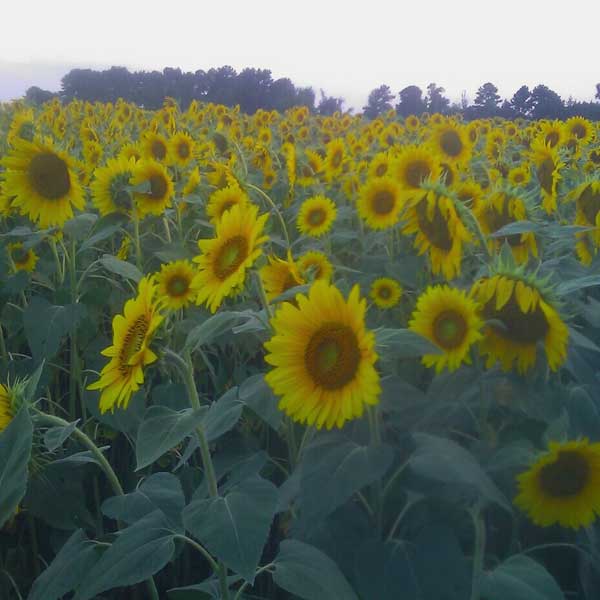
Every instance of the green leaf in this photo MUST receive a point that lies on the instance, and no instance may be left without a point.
(139, 551)
(15, 450)
(582, 341)
(209, 589)
(56, 436)
(443, 460)
(568, 287)
(104, 228)
(210, 329)
(78, 227)
(520, 578)
(161, 430)
(516, 228)
(160, 491)
(46, 325)
(235, 527)
(333, 468)
(68, 569)
(121, 267)
(404, 343)
(256, 393)
(310, 574)
(223, 415)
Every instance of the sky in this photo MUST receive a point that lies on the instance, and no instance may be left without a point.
(345, 47)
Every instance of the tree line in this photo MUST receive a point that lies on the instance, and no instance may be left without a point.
(252, 89)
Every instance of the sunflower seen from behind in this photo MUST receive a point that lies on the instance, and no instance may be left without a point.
(176, 284)
(447, 317)
(323, 357)
(130, 351)
(316, 216)
(225, 258)
(385, 292)
(43, 182)
(525, 320)
(562, 486)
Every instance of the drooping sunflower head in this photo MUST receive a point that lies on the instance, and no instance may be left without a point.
(449, 318)
(547, 164)
(279, 276)
(159, 184)
(182, 148)
(316, 216)
(43, 181)
(223, 200)
(380, 202)
(520, 318)
(176, 285)
(225, 258)
(130, 351)
(562, 486)
(334, 158)
(111, 186)
(385, 292)
(22, 259)
(314, 265)
(323, 357)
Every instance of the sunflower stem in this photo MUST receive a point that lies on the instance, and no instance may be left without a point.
(136, 240)
(3, 350)
(479, 527)
(73, 350)
(59, 265)
(167, 230)
(277, 212)
(263, 297)
(377, 488)
(104, 465)
(186, 369)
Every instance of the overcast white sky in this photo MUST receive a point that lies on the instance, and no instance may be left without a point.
(344, 47)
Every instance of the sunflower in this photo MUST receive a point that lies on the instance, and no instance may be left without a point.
(155, 146)
(498, 210)
(380, 165)
(385, 292)
(413, 168)
(587, 202)
(280, 275)
(6, 407)
(563, 485)
(447, 317)
(520, 175)
(223, 200)
(314, 265)
(130, 151)
(412, 123)
(23, 126)
(519, 318)
(43, 182)
(580, 129)
(192, 183)
(130, 351)
(450, 142)
(334, 158)
(380, 202)
(440, 231)
(182, 149)
(111, 186)
(124, 248)
(226, 257)
(547, 164)
(176, 284)
(552, 134)
(23, 259)
(469, 192)
(323, 357)
(160, 193)
(316, 216)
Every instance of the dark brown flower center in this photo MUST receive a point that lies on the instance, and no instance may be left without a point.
(383, 202)
(49, 175)
(566, 476)
(589, 204)
(158, 187)
(545, 174)
(449, 329)
(178, 285)
(133, 341)
(230, 256)
(316, 217)
(158, 149)
(451, 144)
(436, 230)
(416, 172)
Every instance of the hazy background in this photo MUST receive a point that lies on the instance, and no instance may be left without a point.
(346, 48)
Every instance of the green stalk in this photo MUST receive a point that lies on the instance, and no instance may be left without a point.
(73, 351)
(104, 465)
(136, 240)
(3, 351)
(375, 433)
(479, 527)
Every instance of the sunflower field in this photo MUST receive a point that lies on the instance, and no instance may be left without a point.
(278, 356)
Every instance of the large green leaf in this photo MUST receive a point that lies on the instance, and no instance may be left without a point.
(160, 491)
(46, 325)
(404, 343)
(444, 460)
(213, 327)
(235, 527)
(15, 450)
(520, 578)
(139, 551)
(256, 393)
(162, 429)
(121, 267)
(333, 468)
(223, 415)
(310, 574)
(68, 569)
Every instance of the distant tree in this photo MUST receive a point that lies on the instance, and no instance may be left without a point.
(487, 100)
(436, 101)
(464, 100)
(506, 111)
(546, 103)
(598, 91)
(521, 102)
(329, 104)
(36, 95)
(411, 101)
(379, 101)
(306, 97)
